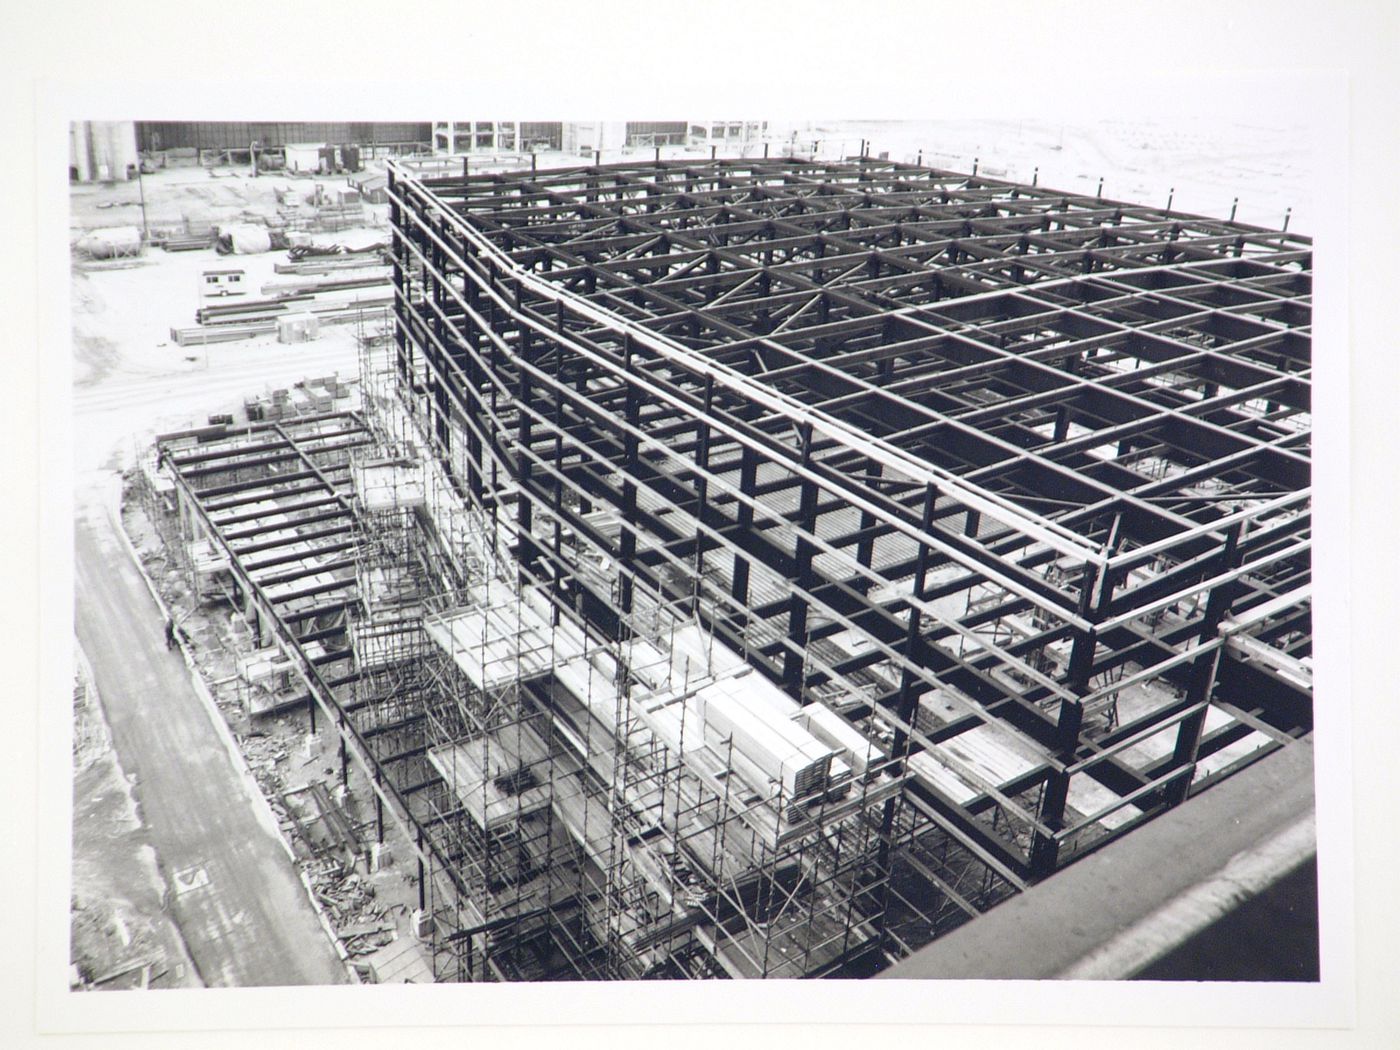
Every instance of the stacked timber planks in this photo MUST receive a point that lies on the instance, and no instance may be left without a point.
(188, 242)
(494, 646)
(347, 292)
(248, 309)
(265, 323)
(783, 750)
(321, 261)
(330, 264)
(312, 285)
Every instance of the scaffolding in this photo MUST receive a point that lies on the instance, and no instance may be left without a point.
(758, 568)
(596, 820)
(619, 782)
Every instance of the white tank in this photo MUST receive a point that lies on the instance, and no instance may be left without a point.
(247, 238)
(111, 242)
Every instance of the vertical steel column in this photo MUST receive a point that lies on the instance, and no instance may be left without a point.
(627, 539)
(580, 377)
(495, 385)
(908, 699)
(794, 651)
(560, 571)
(472, 398)
(439, 264)
(748, 475)
(399, 253)
(702, 488)
(442, 410)
(1045, 848)
(906, 704)
(422, 874)
(525, 500)
(1203, 671)
(865, 546)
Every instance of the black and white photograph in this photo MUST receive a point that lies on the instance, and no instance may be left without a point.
(692, 549)
(790, 562)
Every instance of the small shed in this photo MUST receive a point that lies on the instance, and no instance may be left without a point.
(298, 328)
(304, 156)
(374, 189)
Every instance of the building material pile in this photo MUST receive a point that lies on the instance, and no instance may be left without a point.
(264, 322)
(328, 297)
(310, 397)
(117, 242)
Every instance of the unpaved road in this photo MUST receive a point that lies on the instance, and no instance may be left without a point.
(233, 890)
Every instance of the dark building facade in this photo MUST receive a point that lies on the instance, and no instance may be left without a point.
(224, 135)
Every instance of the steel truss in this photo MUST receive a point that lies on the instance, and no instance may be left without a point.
(909, 435)
(1014, 481)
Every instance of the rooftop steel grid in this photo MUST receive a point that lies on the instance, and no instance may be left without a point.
(880, 388)
(1000, 333)
(1014, 480)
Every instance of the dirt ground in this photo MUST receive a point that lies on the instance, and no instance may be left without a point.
(122, 935)
(123, 310)
(189, 192)
(367, 908)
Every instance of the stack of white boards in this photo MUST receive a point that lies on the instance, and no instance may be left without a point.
(782, 750)
(833, 730)
(494, 646)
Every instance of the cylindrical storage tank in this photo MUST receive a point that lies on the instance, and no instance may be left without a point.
(102, 150)
(111, 242)
(246, 238)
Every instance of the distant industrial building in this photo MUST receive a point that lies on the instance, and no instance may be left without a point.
(220, 136)
(102, 150)
(588, 137)
(496, 136)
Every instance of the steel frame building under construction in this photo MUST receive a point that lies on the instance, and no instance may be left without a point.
(762, 567)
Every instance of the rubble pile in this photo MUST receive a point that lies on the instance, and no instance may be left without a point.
(350, 901)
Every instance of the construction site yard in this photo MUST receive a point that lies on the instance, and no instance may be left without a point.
(131, 381)
(158, 369)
